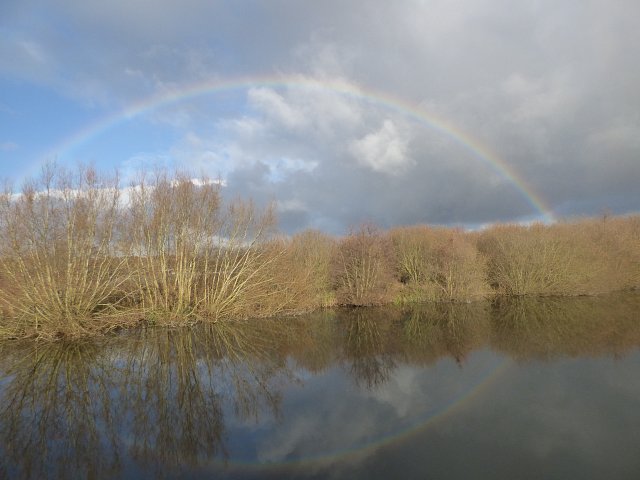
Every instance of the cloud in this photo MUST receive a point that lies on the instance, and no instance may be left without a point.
(354, 161)
(383, 151)
(556, 105)
(273, 105)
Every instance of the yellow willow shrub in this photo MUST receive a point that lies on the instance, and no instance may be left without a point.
(306, 270)
(459, 271)
(630, 226)
(592, 268)
(587, 256)
(170, 238)
(194, 258)
(362, 268)
(61, 275)
(415, 265)
(531, 260)
(278, 285)
(612, 246)
(438, 264)
(413, 248)
(237, 266)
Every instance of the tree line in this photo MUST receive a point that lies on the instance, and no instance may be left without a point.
(80, 255)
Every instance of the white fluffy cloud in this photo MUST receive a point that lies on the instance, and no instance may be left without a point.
(384, 150)
(277, 108)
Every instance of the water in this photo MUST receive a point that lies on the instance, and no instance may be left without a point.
(545, 388)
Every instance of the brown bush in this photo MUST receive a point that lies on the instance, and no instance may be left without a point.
(460, 270)
(76, 258)
(612, 247)
(438, 264)
(195, 259)
(362, 268)
(169, 244)
(61, 273)
(413, 248)
(528, 260)
(302, 272)
(569, 258)
(238, 275)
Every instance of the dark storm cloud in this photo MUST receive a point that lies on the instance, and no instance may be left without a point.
(551, 87)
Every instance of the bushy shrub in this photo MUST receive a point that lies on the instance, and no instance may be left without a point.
(362, 268)
(438, 264)
(60, 270)
(527, 260)
(79, 255)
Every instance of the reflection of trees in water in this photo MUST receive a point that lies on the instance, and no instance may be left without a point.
(376, 340)
(158, 396)
(175, 412)
(56, 412)
(313, 344)
(75, 410)
(415, 334)
(432, 331)
(527, 328)
(365, 346)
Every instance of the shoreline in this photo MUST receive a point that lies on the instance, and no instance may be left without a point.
(115, 328)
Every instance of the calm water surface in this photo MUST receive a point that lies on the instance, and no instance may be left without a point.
(522, 389)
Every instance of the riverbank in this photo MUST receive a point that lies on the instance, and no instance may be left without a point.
(80, 256)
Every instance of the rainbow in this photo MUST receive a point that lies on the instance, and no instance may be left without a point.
(488, 380)
(366, 94)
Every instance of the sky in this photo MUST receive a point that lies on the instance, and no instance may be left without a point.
(448, 112)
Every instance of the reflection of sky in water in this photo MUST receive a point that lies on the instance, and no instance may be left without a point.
(443, 392)
(330, 416)
(566, 419)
